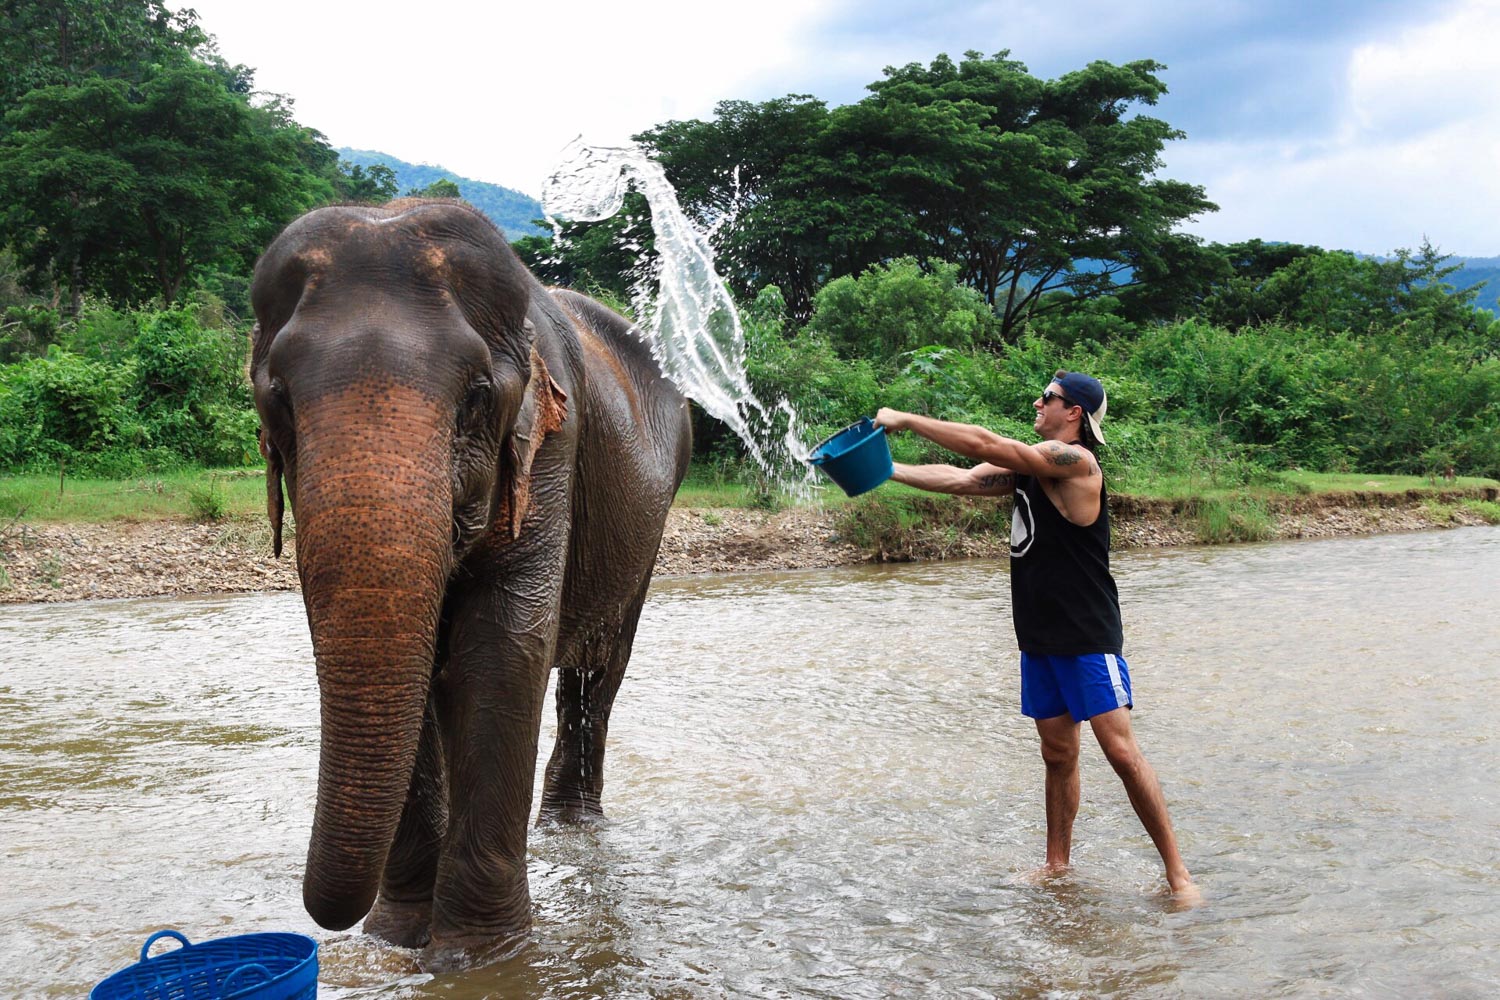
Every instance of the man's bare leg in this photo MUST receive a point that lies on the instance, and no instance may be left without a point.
(1116, 738)
(1060, 753)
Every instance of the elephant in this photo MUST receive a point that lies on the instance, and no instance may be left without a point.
(479, 468)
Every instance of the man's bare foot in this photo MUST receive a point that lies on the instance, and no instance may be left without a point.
(1186, 895)
(1045, 874)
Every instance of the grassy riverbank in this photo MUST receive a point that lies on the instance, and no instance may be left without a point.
(207, 532)
(1225, 513)
(203, 532)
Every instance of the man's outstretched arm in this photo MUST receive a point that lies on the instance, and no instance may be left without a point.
(981, 481)
(1051, 459)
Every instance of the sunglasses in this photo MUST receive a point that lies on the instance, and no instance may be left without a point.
(1048, 396)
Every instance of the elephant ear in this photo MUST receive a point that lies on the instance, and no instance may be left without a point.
(544, 410)
(275, 504)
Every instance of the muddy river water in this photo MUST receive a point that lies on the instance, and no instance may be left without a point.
(820, 786)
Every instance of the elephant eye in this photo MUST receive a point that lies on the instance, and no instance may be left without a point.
(280, 399)
(473, 415)
(478, 396)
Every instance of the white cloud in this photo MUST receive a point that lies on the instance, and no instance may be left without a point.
(1429, 76)
(1416, 154)
(495, 95)
(494, 92)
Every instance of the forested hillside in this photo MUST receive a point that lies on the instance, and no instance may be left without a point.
(1476, 271)
(512, 211)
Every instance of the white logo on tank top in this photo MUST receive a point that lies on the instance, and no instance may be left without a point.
(1022, 525)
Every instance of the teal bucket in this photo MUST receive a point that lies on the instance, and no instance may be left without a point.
(857, 458)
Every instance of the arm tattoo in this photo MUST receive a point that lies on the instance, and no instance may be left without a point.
(998, 481)
(1061, 454)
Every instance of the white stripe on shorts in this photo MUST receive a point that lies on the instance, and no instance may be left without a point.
(1114, 678)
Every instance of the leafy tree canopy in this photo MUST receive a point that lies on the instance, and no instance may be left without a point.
(49, 42)
(1016, 180)
(374, 184)
(440, 188)
(131, 188)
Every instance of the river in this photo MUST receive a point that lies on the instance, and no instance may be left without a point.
(820, 786)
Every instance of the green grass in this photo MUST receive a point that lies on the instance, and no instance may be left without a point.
(704, 492)
(1486, 509)
(1242, 519)
(1354, 482)
(202, 494)
(900, 523)
(1223, 510)
(1266, 485)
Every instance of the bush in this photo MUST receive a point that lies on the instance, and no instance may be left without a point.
(26, 331)
(208, 503)
(1274, 388)
(895, 308)
(130, 392)
(827, 391)
(191, 389)
(102, 333)
(1241, 520)
(61, 406)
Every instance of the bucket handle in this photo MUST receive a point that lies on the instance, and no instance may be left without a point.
(819, 456)
(146, 948)
(229, 990)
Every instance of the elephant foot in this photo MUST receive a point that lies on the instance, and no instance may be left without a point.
(572, 811)
(465, 951)
(405, 925)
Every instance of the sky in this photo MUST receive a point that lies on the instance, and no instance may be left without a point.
(1366, 126)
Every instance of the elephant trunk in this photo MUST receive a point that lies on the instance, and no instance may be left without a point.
(374, 530)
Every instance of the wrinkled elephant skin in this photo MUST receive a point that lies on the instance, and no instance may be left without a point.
(479, 468)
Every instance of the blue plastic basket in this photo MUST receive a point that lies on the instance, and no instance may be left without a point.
(243, 967)
(858, 457)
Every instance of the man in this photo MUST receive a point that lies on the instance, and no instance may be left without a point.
(1066, 608)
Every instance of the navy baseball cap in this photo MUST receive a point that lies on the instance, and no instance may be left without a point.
(1087, 392)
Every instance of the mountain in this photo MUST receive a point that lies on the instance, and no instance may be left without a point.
(514, 212)
(1475, 270)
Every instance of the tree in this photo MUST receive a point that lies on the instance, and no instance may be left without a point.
(733, 173)
(1431, 308)
(1337, 291)
(1031, 187)
(892, 309)
(132, 188)
(49, 42)
(1174, 282)
(1036, 186)
(602, 259)
(440, 188)
(374, 185)
(1241, 298)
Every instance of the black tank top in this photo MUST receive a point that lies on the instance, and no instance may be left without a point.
(1062, 596)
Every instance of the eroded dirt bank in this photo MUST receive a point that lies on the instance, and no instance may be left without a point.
(83, 562)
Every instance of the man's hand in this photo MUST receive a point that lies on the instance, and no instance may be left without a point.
(891, 420)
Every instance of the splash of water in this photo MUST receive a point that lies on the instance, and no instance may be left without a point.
(688, 318)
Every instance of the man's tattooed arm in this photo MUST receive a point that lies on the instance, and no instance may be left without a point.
(998, 482)
(1063, 455)
(1060, 454)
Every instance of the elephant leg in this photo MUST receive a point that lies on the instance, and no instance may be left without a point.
(574, 785)
(491, 710)
(403, 911)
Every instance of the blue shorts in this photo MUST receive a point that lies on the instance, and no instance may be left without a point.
(1080, 686)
